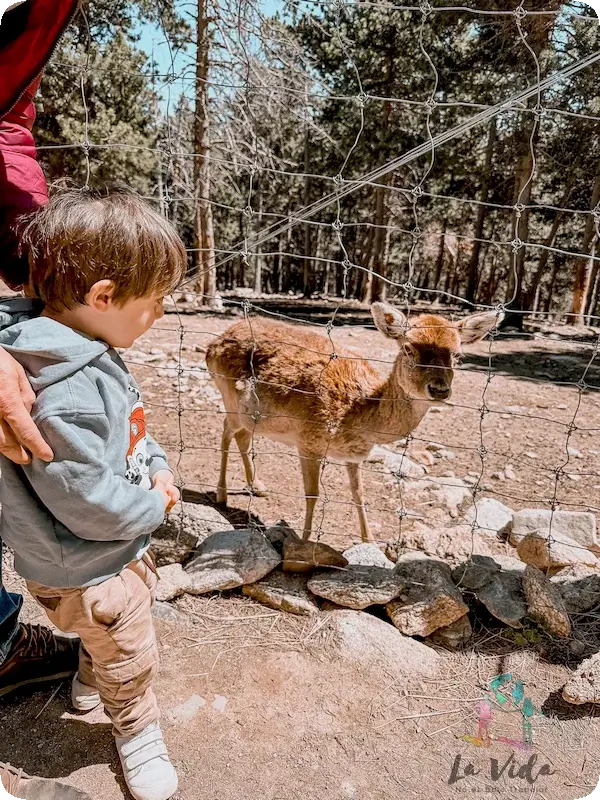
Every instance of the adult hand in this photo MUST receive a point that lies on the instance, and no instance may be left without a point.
(164, 482)
(19, 436)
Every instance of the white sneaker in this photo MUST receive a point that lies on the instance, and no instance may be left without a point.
(83, 697)
(148, 772)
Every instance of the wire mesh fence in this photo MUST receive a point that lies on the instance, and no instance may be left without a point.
(318, 156)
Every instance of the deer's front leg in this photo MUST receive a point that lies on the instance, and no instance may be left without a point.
(311, 469)
(356, 487)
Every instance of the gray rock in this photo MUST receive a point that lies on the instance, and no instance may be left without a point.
(185, 527)
(173, 581)
(300, 555)
(580, 588)
(284, 592)
(357, 587)
(167, 612)
(230, 559)
(550, 552)
(278, 533)
(429, 601)
(46, 789)
(372, 643)
(399, 464)
(455, 636)
(576, 526)
(475, 573)
(545, 603)
(503, 597)
(450, 493)
(491, 517)
(452, 541)
(584, 685)
(367, 555)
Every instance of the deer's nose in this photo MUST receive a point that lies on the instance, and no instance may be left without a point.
(437, 392)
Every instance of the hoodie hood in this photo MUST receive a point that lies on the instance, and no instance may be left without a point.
(48, 350)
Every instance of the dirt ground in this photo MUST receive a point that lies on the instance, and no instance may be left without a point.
(259, 704)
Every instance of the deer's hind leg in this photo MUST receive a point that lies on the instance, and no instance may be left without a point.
(225, 444)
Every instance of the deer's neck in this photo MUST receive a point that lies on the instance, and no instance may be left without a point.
(395, 413)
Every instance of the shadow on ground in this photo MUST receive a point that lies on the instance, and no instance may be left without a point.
(37, 739)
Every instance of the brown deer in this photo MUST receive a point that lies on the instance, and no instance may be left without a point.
(291, 385)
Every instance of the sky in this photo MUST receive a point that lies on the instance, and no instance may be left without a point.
(153, 42)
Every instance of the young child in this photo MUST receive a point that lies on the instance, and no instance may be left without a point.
(80, 526)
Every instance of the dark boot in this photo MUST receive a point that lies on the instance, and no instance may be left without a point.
(38, 656)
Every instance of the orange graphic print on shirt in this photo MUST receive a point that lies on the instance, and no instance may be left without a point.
(138, 463)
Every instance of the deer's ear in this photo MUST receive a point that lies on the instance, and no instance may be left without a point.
(475, 327)
(391, 322)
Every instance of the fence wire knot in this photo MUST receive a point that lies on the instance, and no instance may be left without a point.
(417, 192)
(248, 212)
(338, 179)
(361, 99)
(516, 244)
(425, 8)
(337, 224)
(520, 12)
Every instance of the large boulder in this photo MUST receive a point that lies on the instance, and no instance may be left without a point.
(545, 603)
(371, 642)
(491, 517)
(399, 464)
(429, 601)
(367, 555)
(454, 542)
(283, 591)
(551, 551)
(503, 597)
(230, 559)
(584, 685)
(173, 581)
(357, 587)
(572, 526)
(185, 527)
(454, 636)
(300, 555)
(579, 586)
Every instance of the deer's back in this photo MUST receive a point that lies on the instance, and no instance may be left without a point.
(294, 370)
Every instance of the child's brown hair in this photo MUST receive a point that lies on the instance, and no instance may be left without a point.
(82, 236)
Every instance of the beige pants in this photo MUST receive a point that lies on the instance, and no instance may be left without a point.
(119, 653)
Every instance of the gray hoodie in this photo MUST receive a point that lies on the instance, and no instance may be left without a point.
(82, 518)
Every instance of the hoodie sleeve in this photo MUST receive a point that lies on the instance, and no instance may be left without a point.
(158, 457)
(82, 491)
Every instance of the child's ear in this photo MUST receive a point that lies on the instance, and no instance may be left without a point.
(100, 296)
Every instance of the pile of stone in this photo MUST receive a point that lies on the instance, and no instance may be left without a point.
(422, 596)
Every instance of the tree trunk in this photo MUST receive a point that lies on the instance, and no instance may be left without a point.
(378, 265)
(581, 269)
(473, 266)
(308, 268)
(439, 264)
(204, 238)
(548, 242)
(527, 141)
(258, 259)
(595, 275)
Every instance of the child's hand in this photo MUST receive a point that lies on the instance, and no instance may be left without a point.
(164, 482)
